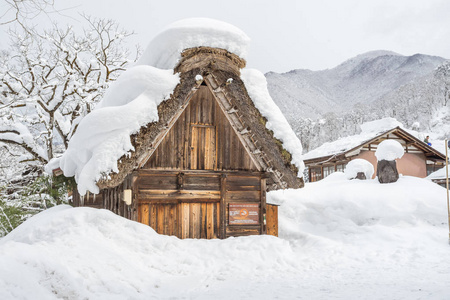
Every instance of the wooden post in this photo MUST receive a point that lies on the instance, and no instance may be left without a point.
(223, 210)
(263, 206)
(446, 184)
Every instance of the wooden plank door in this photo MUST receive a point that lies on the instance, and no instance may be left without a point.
(200, 220)
(203, 147)
(161, 217)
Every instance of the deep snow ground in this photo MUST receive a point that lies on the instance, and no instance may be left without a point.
(339, 239)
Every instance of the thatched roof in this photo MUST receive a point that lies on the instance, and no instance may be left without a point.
(216, 66)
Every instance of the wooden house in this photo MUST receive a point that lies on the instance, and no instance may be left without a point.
(419, 159)
(202, 170)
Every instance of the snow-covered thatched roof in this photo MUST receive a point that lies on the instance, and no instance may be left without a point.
(138, 107)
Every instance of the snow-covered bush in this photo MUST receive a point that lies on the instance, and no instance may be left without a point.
(357, 166)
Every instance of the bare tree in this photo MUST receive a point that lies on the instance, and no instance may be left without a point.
(48, 81)
(20, 11)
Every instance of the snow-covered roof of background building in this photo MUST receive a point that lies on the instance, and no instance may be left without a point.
(103, 136)
(369, 130)
(439, 174)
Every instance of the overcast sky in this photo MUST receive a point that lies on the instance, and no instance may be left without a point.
(293, 34)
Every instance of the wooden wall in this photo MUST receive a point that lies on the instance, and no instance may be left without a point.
(272, 219)
(111, 199)
(195, 204)
(201, 138)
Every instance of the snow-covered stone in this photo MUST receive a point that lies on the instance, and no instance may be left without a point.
(389, 150)
(359, 165)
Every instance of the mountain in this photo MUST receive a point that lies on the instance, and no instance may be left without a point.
(369, 86)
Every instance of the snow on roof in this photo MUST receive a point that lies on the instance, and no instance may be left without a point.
(103, 136)
(164, 51)
(389, 150)
(256, 85)
(359, 165)
(369, 130)
(439, 174)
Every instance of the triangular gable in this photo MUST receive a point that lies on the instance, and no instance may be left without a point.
(201, 137)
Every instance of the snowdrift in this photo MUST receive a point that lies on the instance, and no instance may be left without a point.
(339, 239)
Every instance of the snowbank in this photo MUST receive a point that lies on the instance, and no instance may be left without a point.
(389, 150)
(359, 165)
(339, 239)
(256, 85)
(164, 51)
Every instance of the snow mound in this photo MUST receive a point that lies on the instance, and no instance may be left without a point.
(86, 253)
(340, 239)
(164, 51)
(359, 165)
(389, 150)
(103, 136)
(256, 85)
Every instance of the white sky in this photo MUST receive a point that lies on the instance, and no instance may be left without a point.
(293, 34)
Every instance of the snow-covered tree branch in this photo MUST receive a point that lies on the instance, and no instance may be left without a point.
(49, 80)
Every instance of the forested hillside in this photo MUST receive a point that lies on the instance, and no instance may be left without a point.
(325, 105)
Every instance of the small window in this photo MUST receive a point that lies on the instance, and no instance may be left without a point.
(327, 170)
(316, 174)
(340, 168)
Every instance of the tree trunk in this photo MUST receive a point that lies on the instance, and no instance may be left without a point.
(387, 171)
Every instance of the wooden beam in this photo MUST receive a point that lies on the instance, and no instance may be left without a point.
(223, 210)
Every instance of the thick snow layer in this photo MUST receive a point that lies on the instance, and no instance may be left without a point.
(164, 51)
(389, 150)
(380, 125)
(359, 165)
(256, 86)
(103, 136)
(339, 239)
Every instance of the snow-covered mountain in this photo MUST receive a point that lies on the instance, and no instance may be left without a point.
(367, 87)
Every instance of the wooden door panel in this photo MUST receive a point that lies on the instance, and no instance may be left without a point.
(200, 220)
(161, 217)
(203, 147)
